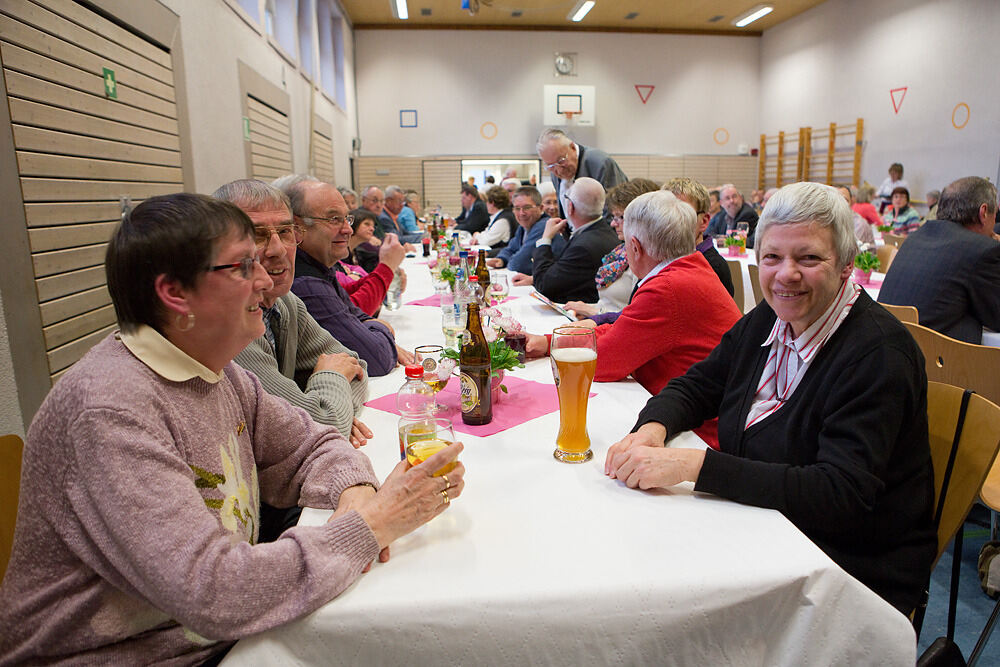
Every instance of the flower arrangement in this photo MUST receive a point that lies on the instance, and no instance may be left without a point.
(448, 274)
(867, 262)
(884, 228)
(736, 244)
(502, 356)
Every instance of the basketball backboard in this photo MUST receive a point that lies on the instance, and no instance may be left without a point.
(568, 105)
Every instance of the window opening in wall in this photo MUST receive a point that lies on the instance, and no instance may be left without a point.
(307, 58)
(330, 26)
(252, 8)
(480, 169)
(281, 23)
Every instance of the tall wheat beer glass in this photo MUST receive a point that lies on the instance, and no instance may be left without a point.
(574, 362)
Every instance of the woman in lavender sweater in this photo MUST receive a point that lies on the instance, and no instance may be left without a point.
(144, 469)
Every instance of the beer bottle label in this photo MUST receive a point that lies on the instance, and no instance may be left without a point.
(470, 393)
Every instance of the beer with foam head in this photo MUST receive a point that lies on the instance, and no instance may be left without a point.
(574, 363)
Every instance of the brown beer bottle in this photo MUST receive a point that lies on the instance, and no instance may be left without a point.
(483, 273)
(474, 366)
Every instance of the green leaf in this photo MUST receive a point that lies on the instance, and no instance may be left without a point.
(214, 503)
(867, 261)
(207, 480)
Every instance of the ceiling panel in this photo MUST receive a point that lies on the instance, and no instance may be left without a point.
(646, 15)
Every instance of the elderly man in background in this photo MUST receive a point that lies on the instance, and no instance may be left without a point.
(571, 274)
(694, 193)
(373, 199)
(474, 217)
(821, 398)
(327, 231)
(949, 268)
(734, 210)
(295, 358)
(349, 195)
(510, 185)
(517, 256)
(402, 217)
(567, 161)
(679, 310)
(932, 205)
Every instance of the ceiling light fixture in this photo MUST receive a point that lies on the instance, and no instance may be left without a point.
(752, 15)
(580, 10)
(399, 9)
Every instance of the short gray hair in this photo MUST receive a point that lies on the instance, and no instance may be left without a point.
(293, 186)
(344, 192)
(393, 190)
(665, 226)
(587, 196)
(546, 188)
(961, 200)
(368, 188)
(812, 203)
(552, 134)
(514, 181)
(253, 195)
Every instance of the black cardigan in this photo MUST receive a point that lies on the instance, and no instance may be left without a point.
(846, 459)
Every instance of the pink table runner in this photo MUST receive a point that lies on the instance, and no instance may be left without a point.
(873, 283)
(525, 401)
(435, 300)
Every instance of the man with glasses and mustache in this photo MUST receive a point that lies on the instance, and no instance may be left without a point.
(296, 358)
(517, 255)
(567, 161)
(326, 229)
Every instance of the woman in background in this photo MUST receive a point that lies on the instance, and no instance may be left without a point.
(903, 218)
(144, 469)
(863, 205)
(502, 224)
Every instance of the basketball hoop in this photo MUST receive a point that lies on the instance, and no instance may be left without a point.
(569, 116)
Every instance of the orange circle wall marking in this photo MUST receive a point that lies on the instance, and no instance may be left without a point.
(484, 129)
(968, 114)
(724, 136)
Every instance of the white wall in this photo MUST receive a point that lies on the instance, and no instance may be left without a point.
(838, 61)
(214, 38)
(11, 420)
(459, 79)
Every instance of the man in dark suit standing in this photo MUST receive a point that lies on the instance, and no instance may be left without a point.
(474, 217)
(949, 269)
(567, 161)
(571, 275)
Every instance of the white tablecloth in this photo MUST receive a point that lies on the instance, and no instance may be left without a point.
(541, 562)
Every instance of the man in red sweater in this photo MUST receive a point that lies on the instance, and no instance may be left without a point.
(678, 311)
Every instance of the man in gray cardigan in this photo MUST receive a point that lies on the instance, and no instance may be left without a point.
(567, 161)
(296, 358)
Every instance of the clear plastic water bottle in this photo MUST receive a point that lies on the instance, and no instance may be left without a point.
(394, 295)
(415, 402)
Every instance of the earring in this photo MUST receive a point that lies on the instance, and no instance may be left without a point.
(187, 324)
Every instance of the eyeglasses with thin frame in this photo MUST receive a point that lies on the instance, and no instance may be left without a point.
(337, 220)
(245, 265)
(558, 163)
(523, 209)
(289, 235)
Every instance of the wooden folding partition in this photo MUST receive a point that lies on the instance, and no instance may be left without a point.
(828, 155)
(93, 120)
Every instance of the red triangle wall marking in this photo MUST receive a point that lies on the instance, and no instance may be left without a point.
(648, 90)
(897, 103)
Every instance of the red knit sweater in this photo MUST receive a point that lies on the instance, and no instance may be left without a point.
(369, 292)
(676, 318)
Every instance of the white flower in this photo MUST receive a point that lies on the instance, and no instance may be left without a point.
(239, 504)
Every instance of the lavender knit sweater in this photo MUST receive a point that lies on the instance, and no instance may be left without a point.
(137, 522)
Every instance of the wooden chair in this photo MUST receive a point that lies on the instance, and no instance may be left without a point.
(736, 271)
(758, 293)
(958, 477)
(893, 239)
(975, 367)
(903, 313)
(11, 448)
(885, 256)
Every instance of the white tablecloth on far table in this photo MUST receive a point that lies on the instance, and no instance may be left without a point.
(541, 562)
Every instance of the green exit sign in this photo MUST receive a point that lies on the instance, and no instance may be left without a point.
(110, 85)
(246, 128)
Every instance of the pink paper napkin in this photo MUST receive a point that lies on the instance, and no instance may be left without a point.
(873, 282)
(435, 300)
(525, 401)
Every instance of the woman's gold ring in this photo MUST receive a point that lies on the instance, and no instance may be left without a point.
(444, 494)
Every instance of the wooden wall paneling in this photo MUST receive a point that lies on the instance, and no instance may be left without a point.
(321, 150)
(65, 355)
(129, 40)
(41, 140)
(443, 185)
(68, 259)
(406, 172)
(66, 307)
(63, 284)
(634, 166)
(61, 166)
(75, 327)
(54, 189)
(35, 64)
(61, 213)
(51, 238)
(49, 21)
(69, 53)
(702, 168)
(740, 170)
(25, 112)
(270, 131)
(664, 167)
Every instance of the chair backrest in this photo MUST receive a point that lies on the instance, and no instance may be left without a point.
(903, 313)
(975, 367)
(976, 450)
(11, 448)
(893, 239)
(736, 271)
(885, 255)
(758, 293)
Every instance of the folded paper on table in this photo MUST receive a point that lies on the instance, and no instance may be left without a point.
(435, 300)
(525, 401)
